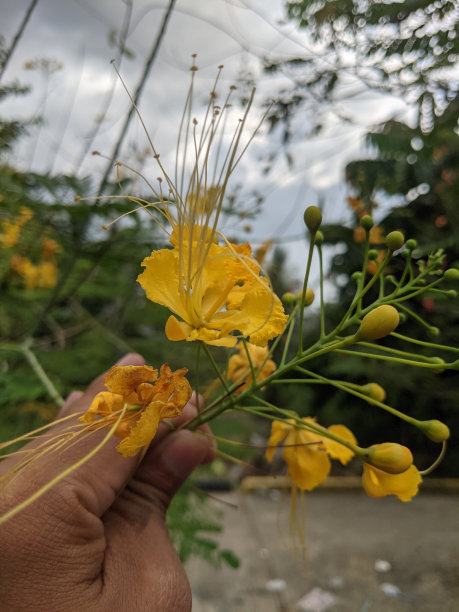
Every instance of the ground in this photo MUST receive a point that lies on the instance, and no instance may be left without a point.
(362, 555)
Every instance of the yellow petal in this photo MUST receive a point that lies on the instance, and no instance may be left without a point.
(160, 280)
(176, 330)
(379, 484)
(124, 380)
(308, 462)
(337, 450)
(143, 431)
(103, 404)
(278, 432)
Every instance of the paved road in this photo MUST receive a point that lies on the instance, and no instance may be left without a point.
(347, 533)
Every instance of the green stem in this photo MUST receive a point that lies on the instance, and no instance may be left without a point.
(425, 343)
(432, 366)
(366, 398)
(322, 305)
(303, 295)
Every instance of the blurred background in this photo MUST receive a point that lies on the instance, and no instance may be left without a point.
(361, 103)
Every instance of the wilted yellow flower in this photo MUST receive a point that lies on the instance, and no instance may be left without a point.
(379, 484)
(307, 453)
(239, 367)
(148, 399)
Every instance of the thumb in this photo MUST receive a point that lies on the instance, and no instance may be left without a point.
(135, 526)
(162, 472)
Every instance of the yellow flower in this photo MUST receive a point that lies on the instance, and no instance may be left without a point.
(239, 367)
(307, 453)
(148, 400)
(47, 274)
(12, 229)
(215, 290)
(379, 484)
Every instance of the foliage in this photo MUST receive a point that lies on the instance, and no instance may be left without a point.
(189, 519)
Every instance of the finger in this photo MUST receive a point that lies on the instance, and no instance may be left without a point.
(135, 524)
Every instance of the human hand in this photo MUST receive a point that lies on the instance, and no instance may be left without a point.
(98, 539)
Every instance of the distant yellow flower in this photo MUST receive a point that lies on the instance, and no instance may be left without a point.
(48, 248)
(379, 484)
(215, 290)
(307, 453)
(239, 367)
(47, 274)
(148, 399)
(11, 229)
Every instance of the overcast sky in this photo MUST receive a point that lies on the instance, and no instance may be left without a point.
(230, 32)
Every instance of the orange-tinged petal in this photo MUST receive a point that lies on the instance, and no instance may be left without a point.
(103, 404)
(124, 380)
(176, 330)
(337, 450)
(143, 432)
(379, 484)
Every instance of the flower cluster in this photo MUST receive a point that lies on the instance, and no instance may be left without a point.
(136, 401)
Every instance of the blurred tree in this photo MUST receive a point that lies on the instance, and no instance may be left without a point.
(407, 49)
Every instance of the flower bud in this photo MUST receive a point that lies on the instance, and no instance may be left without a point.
(433, 331)
(356, 276)
(366, 222)
(378, 323)
(319, 238)
(374, 391)
(313, 218)
(390, 457)
(411, 244)
(288, 299)
(309, 297)
(372, 254)
(451, 274)
(395, 241)
(435, 430)
(451, 293)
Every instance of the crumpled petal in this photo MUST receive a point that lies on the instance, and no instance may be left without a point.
(124, 380)
(104, 404)
(143, 432)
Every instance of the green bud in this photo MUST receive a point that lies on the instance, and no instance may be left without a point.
(451, 274)
(435, 430)
(356, 276)
(411, 244)
(288, 299)
(313, 218)
(451, 293)
(395, 241)
(403, 317)
(366, 222)
(319, 237)
(391, 279)
(433, 331)
(372, 254)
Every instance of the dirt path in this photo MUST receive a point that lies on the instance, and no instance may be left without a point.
(350, 539)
